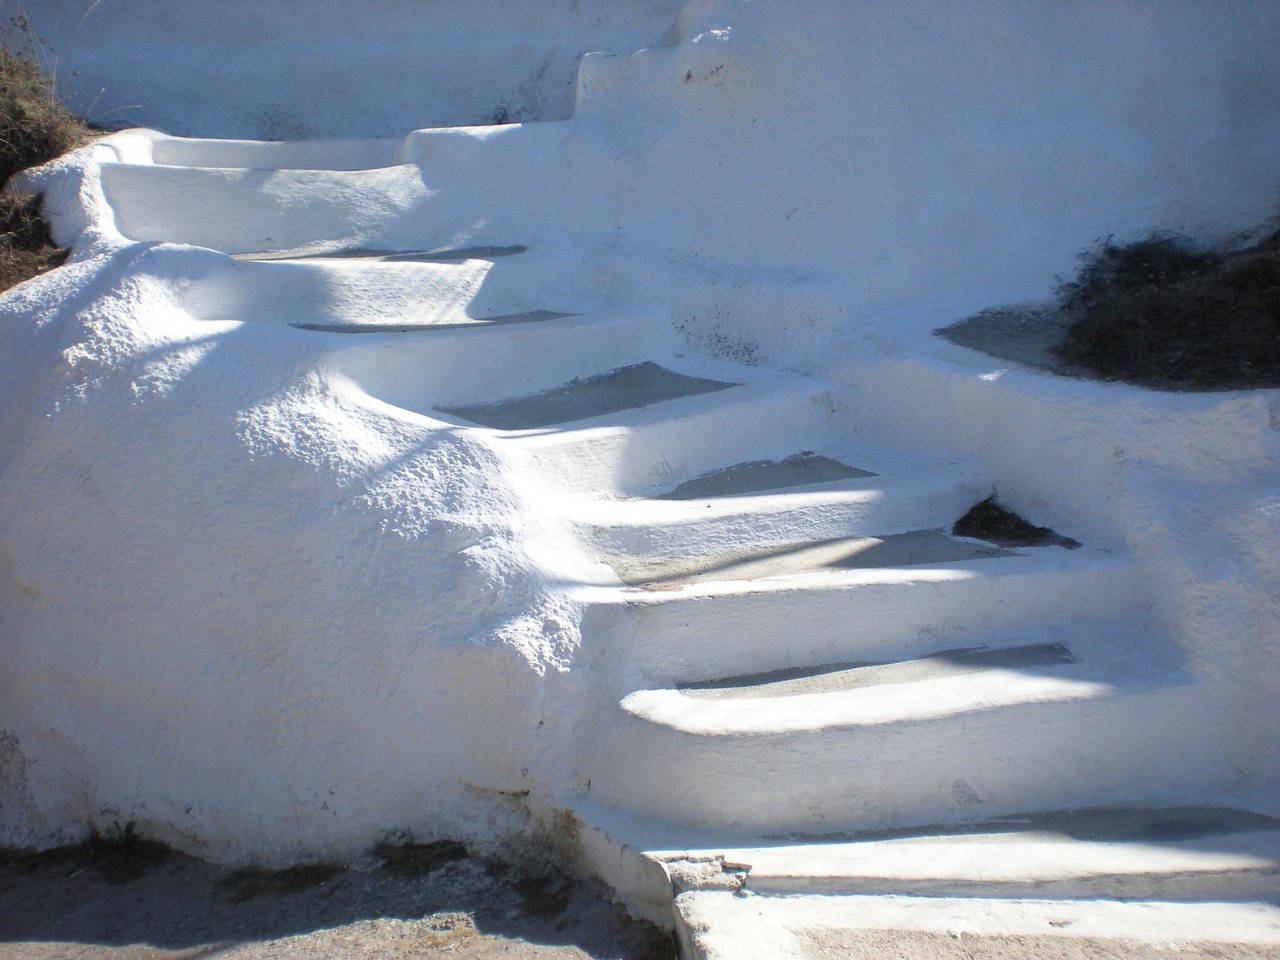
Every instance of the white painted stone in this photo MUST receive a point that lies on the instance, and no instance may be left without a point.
(262, 595)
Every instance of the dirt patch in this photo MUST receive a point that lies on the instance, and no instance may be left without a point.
(414, 899)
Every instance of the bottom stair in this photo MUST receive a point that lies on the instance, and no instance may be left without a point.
(1119, 881)
(714, 925)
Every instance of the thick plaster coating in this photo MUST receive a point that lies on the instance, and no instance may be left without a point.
(274, 586)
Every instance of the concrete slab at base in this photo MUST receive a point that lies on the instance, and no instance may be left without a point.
(717, 925)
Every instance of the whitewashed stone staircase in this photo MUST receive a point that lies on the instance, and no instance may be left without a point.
(805, 708)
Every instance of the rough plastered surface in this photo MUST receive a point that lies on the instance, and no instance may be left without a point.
(259, 599)
(273, 71)
(248, 606)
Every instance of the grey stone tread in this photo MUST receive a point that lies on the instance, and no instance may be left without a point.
(528, 316)
(851, 676)
(452, 255)
(1110, 824)
(917, 547)
(639, 385)
(757, 476)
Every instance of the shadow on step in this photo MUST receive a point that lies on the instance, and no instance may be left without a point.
(1118, 824)
(916, 548)
(529, 316)
(849, 676)
(451, 255)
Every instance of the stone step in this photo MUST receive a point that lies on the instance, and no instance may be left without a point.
(458, 364)
(241, 211)
(354, 289)
(639, 447)
(325, 194)
(643, 384)
(688, 633)
(719, 925)
(671, 529)
(1064, 716)
(802, 469)
(750, 561)
(1137, 852)
(278, 154)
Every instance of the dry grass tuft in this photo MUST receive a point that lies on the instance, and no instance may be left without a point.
(26, 248)
(35, 127)
(1162, 313)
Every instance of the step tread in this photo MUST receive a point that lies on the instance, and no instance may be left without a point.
(528, 316)
(1006, 567)
(750, 477)
(719, 925)
(635, 386)
(890, 502)
(1050, 849)
(850, 676)
(911, 549)
(1058, 664)
(1039, 851)
(321, 254)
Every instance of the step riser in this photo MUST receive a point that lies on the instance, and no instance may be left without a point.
(277, 155)
(464, 186)
(453, 367)
(974, 765)
(696, 437)
(688, 639)
(904, 508)
(247, 211)
(298, 292)
(350, 292)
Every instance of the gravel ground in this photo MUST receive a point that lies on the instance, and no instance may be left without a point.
(135, 900)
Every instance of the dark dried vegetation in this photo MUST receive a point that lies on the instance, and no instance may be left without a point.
(119, 856)
(1163, 313)
(418, 859)
(991, 522)
(35, 127)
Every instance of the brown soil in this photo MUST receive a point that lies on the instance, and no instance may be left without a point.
(129, 900)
